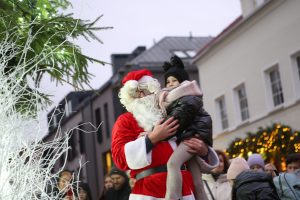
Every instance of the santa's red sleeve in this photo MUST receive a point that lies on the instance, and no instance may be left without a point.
(129, 151)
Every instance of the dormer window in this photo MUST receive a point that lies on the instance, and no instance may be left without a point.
(184, 53)
(180, 54)
(68, 108)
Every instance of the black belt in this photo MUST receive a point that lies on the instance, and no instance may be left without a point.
(154, 170)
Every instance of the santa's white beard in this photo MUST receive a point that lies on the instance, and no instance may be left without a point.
(145, 111)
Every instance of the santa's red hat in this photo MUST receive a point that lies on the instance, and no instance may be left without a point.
(142, 79)
(136, 75)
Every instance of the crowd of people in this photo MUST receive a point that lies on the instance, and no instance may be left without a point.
(238, 179)
(165, 142)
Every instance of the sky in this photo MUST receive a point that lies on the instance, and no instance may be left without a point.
(141, 23)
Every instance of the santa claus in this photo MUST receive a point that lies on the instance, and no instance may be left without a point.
(139, 139)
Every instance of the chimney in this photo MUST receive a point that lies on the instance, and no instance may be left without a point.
(154, 41)
(191, 35)
(248, 6)
(119, 60)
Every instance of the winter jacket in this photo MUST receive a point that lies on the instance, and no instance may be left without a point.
(252, 185)
(193, 119)
(121, 194)
(220, 188)
(288, 185)
(185, 104)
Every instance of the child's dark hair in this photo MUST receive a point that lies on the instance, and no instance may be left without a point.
(176, 69)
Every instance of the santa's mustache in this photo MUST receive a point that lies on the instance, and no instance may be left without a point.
(146, 111)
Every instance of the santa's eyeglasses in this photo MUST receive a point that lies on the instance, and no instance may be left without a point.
(142, 89)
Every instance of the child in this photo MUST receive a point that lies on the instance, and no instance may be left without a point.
(182, 99)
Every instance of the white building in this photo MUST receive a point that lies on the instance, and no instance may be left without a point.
(250, 73)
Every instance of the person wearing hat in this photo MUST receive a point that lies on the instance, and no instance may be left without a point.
(236, 166)
(121, 188)
(174, 71)
(250, 184)
(140, 139)
(256, 162)
(182, 99)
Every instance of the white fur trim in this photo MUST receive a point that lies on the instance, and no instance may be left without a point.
(184, 89)
(213, 161)
(135, 154)
(131, 84)
(127, 92)
(144, 197)
(145, 79)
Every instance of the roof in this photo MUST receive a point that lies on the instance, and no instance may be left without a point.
(164, 49)
(239, 21)
(218, 38)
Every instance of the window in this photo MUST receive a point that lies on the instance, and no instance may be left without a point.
(54, 121)
(242, 101)
(72, 147)
(191, 53)
(298, 67)
(107, 162)
(184, 54)
(98, 124)
(68, 108)
(180, 54)
(276, 88)
(222, 112)
(106, 120)
(81, 138)
(295, 60)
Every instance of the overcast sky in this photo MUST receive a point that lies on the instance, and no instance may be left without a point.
(140, 23)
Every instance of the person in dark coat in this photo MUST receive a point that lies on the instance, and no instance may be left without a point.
(254, 185)
(121, 188)
(249, 184)
(182, 99)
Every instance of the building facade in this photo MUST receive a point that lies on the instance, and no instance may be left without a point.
(250, 73)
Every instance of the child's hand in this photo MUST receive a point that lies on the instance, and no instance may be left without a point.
(197, 146)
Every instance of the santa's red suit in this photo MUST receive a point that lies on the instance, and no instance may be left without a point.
(129, 152)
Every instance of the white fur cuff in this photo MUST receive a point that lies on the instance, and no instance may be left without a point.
(213, 161)
(135, 154)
